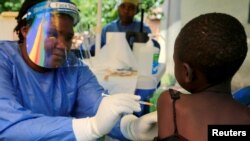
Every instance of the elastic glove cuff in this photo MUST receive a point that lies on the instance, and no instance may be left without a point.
(84, 129)
(127, 129)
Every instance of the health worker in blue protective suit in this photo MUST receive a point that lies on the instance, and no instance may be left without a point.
(47, 94)
(127, 9)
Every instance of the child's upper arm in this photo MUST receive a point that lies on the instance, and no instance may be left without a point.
(165, 114)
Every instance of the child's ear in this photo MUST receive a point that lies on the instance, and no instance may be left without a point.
(189, 74)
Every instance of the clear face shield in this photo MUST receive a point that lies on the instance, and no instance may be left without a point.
(50, 36)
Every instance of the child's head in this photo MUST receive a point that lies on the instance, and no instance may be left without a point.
(213, 46)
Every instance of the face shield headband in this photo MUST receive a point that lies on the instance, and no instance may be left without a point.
(49, 39)
(40, 9)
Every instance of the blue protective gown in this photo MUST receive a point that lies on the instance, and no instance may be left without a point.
(243, 95)
(40, 106)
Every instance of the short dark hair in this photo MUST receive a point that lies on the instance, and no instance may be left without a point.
(22, 22)
(24, 9)
(215, 44)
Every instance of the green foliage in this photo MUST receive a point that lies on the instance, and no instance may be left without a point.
(109, 7)
(88, 10)
(168, 80)
(10, 5)
(154, 99)
(88, 13)
(147, 4)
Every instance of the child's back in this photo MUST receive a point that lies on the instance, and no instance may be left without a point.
(208, 51)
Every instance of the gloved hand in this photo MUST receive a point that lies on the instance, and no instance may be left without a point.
(110, 110)
(140, 129)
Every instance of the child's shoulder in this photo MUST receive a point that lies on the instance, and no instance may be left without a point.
(168, 96)
(164, 97)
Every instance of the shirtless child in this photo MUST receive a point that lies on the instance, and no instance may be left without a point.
(208, 51)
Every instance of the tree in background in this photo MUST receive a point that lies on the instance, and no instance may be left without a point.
(10, 5)
(88, 12)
